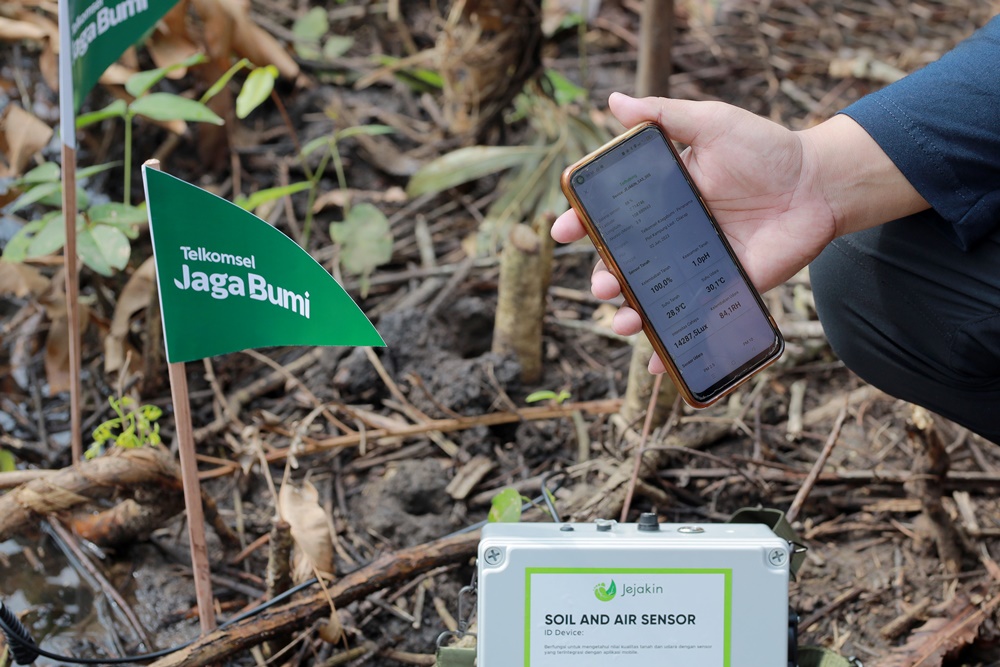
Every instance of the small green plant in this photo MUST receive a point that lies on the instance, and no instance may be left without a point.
(133, 427)
(309, 31)
(7, 464)
(506, 506)
(103, 231)
(548, 395)
(558, 134)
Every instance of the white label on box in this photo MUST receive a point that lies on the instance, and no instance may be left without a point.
(586, 617)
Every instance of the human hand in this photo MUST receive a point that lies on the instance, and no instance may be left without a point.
(758, 179)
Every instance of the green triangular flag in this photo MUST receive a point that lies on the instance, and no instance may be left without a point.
(229, 281)
(93, 34)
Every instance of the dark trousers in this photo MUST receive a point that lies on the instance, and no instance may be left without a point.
(917, 317)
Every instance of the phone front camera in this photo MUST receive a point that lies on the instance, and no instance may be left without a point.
(580, 179)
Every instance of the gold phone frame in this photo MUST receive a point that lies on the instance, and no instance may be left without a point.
(778, 346)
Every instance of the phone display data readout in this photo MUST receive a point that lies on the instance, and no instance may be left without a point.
(678, 268)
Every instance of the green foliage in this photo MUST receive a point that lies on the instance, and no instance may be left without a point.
(266, 195)
(331, 153)
(132, 427)
(506, 507)
(365, 240)
(103, 230)
(559, 135)
(309, 31)
(548, 395)
(419, 79)
(256, 89)
(7, 463)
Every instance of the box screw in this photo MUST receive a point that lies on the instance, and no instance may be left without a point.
(777, 557)
(493, 556)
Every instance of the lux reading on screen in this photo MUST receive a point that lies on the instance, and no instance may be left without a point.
(654, 231)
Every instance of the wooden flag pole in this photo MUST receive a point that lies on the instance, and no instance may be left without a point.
(72, 298)
(192, 487)
(67, 127)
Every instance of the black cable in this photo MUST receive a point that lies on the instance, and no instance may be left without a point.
(25, 651)
(20, 642)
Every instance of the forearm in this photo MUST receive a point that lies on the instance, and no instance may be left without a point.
(858, 181)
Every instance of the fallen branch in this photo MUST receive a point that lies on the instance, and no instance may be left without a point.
(384, 571)
(147, 467)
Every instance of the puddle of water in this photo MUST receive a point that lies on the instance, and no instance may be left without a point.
(53, 602)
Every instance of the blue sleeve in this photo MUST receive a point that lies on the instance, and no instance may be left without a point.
(941, 127)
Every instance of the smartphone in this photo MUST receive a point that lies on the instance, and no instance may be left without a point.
(654, 231)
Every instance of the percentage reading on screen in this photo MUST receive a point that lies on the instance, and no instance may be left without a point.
(660, 285)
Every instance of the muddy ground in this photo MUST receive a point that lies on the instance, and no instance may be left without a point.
(872, 573)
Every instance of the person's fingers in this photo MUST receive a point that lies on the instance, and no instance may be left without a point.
(683, 120)
(567, 228)
(603, 283)
(626, 322)
(656, 366)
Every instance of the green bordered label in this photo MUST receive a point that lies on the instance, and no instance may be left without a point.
(589, 617)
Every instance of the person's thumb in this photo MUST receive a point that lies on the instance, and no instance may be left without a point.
(680, 118)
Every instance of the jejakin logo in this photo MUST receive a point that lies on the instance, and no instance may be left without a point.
(605, 593)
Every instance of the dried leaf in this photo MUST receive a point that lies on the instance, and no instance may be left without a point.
(468, 164)
(311, 530)
(22, 134)
(135, 297)
(57, 355)
(958, 627)
(13, 31)
(333, 630)
(229, 28)
(21, 280)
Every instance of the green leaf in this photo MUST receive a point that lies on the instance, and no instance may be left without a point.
(35, 194)
(256, 90)
(7, 462)
(365, 239)
(368, 130)
(123, 216)
(565, 90)
(87, 172)
(51, 237)
(16, 249)
(337, 46)
(270, 194)
(223, 80)
(424, 80)
(103, 248)
(468, 164)
(308, 29)
(116, 109)
(541, 395)
(165, 107)
(505, 507)
(318, 142)
(141, 82)
(43, 173)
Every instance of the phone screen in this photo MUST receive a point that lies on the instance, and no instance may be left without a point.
(680, 271)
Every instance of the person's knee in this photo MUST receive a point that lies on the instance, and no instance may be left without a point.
(837, 285)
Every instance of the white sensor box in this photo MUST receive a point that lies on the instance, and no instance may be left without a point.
(632, 595)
